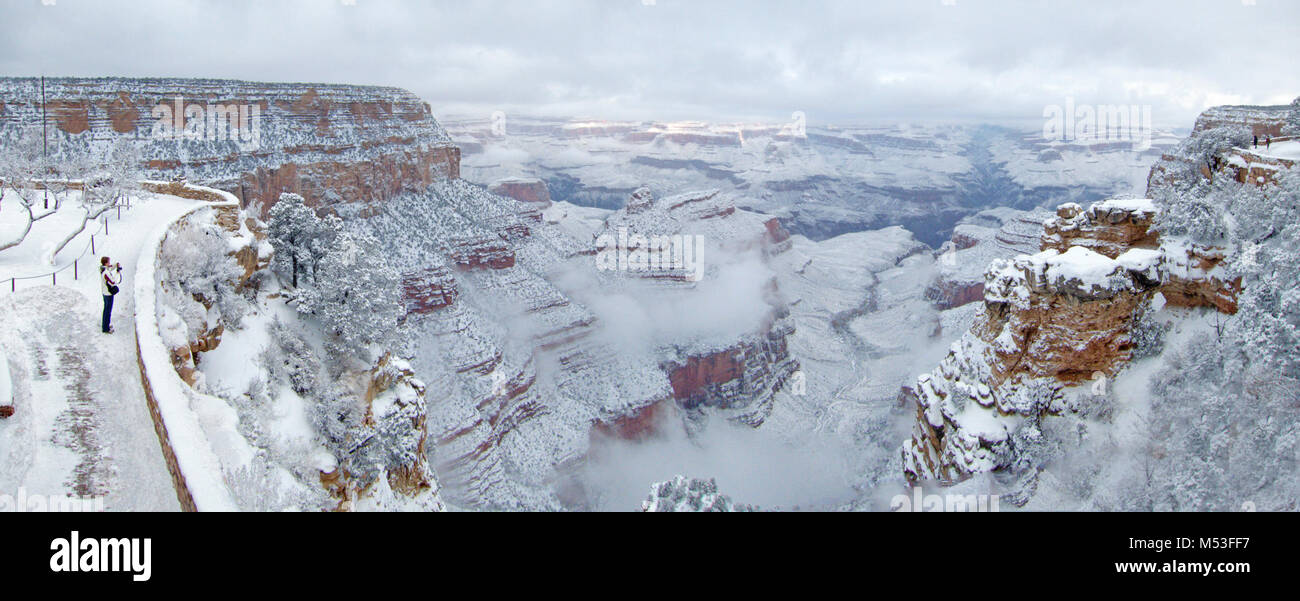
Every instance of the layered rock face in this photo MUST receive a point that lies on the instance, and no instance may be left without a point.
(1262, 120)
(530, 190)
(740, 380)
(1194, 277)
(1109, 228)
(429, 289)
(329, 143)
(523, 375)
(1050, 321)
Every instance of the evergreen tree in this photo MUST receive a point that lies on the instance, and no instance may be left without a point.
(299, 237)
(356, 296)
(1292, 126)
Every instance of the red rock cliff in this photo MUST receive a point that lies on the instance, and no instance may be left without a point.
(329, 143)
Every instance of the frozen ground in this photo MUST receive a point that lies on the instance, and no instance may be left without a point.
(81, 427)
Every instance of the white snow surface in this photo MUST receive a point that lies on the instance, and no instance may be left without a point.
(1289, 149)
(1134, 205)
(1088, 267)
(81, 426)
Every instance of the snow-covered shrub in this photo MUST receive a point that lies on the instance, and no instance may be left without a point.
(1148, 335)
(336, 416)
(196, 262)
(291, 360)
(1188, 209)
(1036, 397)
(1099, 407)
(394, 443)
(192, 315)
(260, 487)
(1029, 448)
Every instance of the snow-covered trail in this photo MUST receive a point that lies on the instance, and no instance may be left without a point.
(81, 426)
(1289, 149)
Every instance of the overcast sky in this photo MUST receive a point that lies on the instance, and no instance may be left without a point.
(849, 61)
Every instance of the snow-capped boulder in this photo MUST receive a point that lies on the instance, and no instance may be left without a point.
(1110, 227)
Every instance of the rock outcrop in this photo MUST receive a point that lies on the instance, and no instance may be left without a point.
(389, 470)
(1109, 228)
(529, 190)
(1262, 120)
(428, 289)
(1050, 321)
(741, 380)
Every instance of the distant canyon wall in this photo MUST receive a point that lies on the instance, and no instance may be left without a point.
(329, 143)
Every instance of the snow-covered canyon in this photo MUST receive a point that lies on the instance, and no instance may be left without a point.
(562, 314)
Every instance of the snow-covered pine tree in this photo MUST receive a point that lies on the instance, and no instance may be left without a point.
(682, 495)
(299, 237)
(1292, 126)
(356, 295)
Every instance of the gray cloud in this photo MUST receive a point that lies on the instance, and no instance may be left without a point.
(838, 61)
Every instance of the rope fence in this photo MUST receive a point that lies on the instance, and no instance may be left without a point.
(74, 264)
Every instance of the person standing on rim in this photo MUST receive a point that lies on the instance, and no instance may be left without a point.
(110, 276)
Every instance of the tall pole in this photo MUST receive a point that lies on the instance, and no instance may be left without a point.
(45, 141)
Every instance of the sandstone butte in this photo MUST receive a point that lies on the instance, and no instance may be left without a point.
(1063, 317)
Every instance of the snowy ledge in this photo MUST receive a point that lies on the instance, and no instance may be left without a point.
(194, 466)
(1078, 272)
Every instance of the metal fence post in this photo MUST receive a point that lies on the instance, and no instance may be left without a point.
(74, 270)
